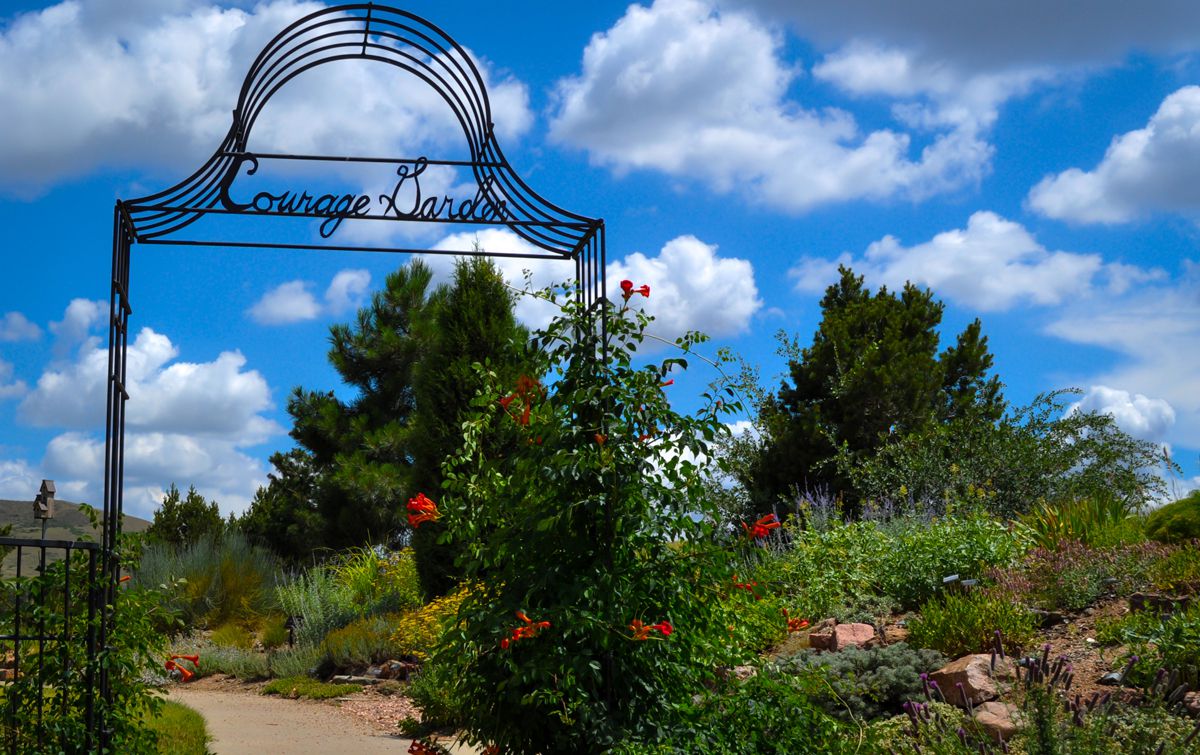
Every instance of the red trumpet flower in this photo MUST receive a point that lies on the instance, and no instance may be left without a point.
(627, 289)
(762, 527)
(641, 630)
(422, 510)
(530, 629)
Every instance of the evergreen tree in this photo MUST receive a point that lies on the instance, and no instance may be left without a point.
(473, 323)
(872, 375)
(284, 515)
(362, 447)
(410, 360)
(181, 521)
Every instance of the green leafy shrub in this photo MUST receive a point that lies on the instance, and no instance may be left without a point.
(1177, 571)
(232, 636)
(362, 642)
(770, 712)
(432, 691)
(295, 687)
(579, 529)
(1170, 641)
(866, 684)
(379, 581)
(859, 570)
(1176, 522)
(957, 623)
(919, 554)
(321, 602)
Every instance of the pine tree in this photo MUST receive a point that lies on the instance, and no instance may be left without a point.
(182, 521)
(872, 374)
(409, 360)
(473, 324)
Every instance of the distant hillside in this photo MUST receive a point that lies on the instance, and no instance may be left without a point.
(69, 523)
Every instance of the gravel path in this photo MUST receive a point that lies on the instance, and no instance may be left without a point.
(250, 724)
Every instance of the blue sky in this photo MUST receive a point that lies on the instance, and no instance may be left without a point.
(1037, 167)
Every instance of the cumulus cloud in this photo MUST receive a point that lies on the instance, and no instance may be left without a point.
(1151, 169)
(186, 422)
(1138, 415)
(691, 288)
(18, 480)
(15, 327)
(293, 301)
(218, 398)
(218, 469)
(79, 319)
(1155, 330)
(683, 89)
(992, 264)
(286, 303)
(13, 389)
(162, 79)
(346, 290)
(991, 36)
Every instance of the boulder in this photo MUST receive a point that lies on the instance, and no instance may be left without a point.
(829, 635)
(820, 637)
(975, 675)
(999, 720)
(852, 635)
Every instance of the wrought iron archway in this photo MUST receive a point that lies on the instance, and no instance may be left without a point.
(354, 31)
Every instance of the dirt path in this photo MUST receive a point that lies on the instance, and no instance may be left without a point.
(250, 724)
(245, 723)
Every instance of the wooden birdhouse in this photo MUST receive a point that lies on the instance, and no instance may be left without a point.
(43, 504)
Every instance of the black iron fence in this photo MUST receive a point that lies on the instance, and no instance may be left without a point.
(50, 612)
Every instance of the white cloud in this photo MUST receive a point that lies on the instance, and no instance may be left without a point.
(217, 398)
(1156, 332)
(1138, 415)
(691, 288)
(187, 422)
(293, 302)
(18, 480)
(78, 320)
(992, 36)
(992, 264)
(162, 78)
(286, 303)
(680, 88)
(14, 389)
(153, 461)
(15, 327)
(346, 290)
(1152, 169)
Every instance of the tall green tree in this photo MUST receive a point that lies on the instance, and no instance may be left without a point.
(872, 375)
(284, 515)
(362, 446)
(408, 361)
(473, 323)
(183, 520)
